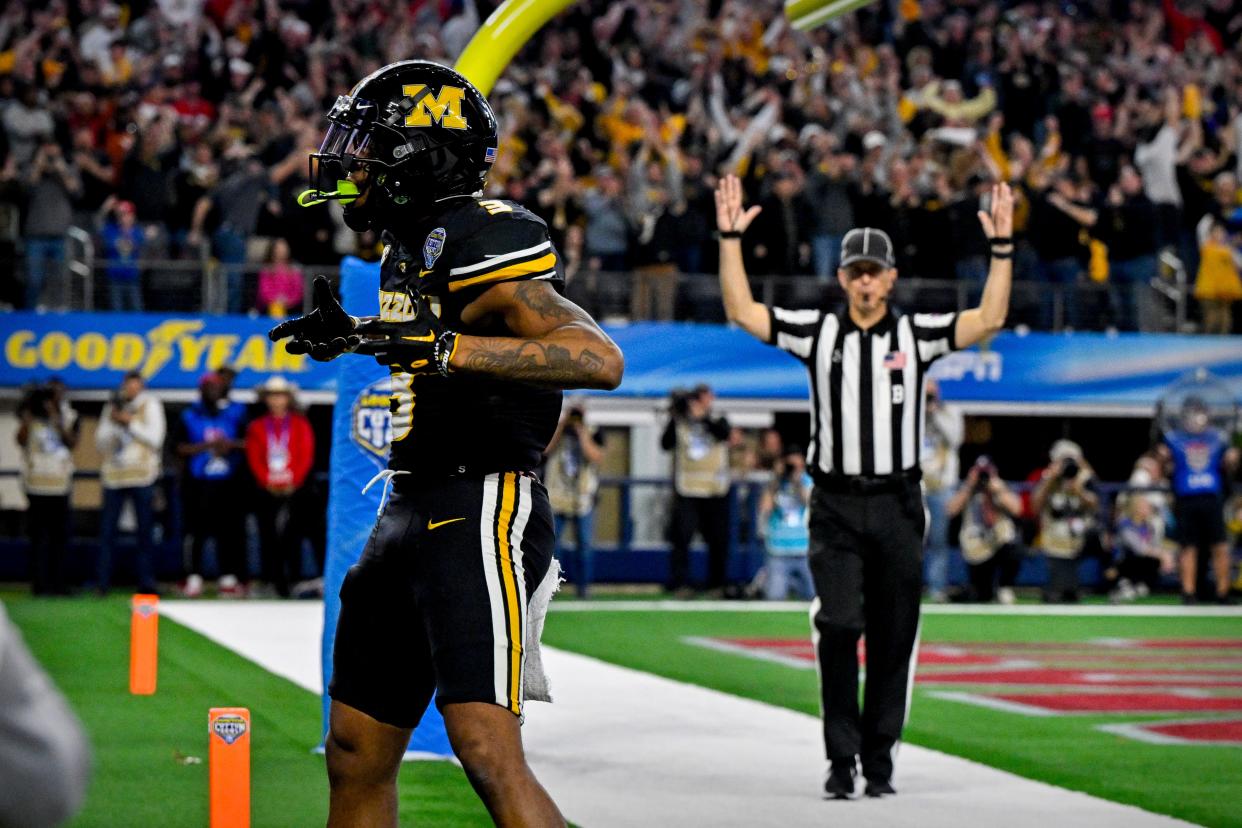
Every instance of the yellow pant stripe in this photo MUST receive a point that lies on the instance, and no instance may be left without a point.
(508, 499)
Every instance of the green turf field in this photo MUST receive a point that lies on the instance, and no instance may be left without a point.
(1197, 783)
(140, 742)
(141, 777)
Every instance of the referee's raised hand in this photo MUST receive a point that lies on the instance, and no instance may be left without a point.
(998, 221)
(731, 219)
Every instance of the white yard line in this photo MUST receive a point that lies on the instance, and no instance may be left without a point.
(622, 748)
(1101, 610)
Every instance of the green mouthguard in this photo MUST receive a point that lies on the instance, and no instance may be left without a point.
(346, 191)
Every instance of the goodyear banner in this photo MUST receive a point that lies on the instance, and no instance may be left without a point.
(94, 350)
(360, 435)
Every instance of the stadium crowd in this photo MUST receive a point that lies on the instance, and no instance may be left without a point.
(179, 129)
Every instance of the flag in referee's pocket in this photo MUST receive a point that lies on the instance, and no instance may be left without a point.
(895, 361)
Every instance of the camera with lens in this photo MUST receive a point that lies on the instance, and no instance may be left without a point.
(37, 400)
(1070, 469)
(679, 402)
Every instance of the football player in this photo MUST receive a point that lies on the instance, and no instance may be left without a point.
(480, 341)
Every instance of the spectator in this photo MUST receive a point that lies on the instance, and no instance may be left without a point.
(1066, 505)
(280, 450)
(122, 248)
(607, 230)
(54, 183)
(236, 202)
(989, 536)
(210, 439)
(1055, 236)
(47, 435)
(942, 439)
(573, 457)
(1140, 554)
(780, 241)
(783, 514)
(27, 125)
(1155, 155)
(130, 436)
(699, 442)
(829, 191)
(281, 283)
(1218, 285)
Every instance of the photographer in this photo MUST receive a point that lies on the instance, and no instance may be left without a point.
(130, 437)
(47, 435)
(699, 443)
(53, 183)
(783, 511)
(572, 458)
(1066, 507)
(989, 536)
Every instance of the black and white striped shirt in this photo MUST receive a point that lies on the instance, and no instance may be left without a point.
(866, 386)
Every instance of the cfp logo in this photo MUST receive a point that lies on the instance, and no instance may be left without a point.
(229, 728)
(443, 109)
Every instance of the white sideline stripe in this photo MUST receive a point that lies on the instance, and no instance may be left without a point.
(1003, 705)
(1040, 610)
(622, 748)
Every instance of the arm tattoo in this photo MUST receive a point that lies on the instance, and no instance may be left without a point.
(543, 300)
(537, 362)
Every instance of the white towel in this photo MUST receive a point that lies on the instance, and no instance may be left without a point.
(535, 684)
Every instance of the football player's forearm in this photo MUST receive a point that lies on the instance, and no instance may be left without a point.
(568, 357)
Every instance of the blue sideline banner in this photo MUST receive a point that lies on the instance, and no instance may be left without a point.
(93, 351)
(1124, 370)
(360, 435)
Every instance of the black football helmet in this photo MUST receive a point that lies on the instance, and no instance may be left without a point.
(421, 131)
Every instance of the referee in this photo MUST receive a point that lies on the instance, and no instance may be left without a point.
(868, 365)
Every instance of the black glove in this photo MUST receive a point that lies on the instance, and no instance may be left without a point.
(421, 345)
(325, 333)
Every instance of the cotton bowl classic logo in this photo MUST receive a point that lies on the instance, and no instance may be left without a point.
(371, 421)
(180, 342)
(229, 727)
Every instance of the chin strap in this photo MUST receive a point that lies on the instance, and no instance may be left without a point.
(346, 192)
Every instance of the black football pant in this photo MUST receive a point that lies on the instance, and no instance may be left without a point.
(710, 516)
(866, 558)
(47, 523)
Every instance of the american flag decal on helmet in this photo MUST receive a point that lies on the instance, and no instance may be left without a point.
(489, 155)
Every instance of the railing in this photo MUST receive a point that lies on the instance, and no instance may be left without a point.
(203, 286)
(629, 536)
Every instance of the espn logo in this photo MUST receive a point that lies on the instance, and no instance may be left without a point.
(443, 109)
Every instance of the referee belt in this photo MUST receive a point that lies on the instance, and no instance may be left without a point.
(834, 483)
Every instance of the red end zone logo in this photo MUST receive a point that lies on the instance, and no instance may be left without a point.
(1200, 678)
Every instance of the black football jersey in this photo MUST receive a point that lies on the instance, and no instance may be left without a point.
(467, 424)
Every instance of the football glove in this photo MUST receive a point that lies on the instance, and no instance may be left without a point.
(421, 345)
(325, 333)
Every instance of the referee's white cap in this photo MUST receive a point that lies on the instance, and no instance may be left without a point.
(867, 244)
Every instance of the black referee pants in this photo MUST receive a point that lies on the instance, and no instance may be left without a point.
(866, 558)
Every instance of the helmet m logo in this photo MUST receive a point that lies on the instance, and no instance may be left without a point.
(443, 109)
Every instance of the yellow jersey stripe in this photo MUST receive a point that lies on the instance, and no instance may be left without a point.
(533, 266)
(504, 525)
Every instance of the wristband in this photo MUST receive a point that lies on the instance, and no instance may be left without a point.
(1006, 255)
(446, 344)
(997, 241)
(728, 234)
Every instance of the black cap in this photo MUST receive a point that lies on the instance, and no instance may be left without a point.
(867, 244)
